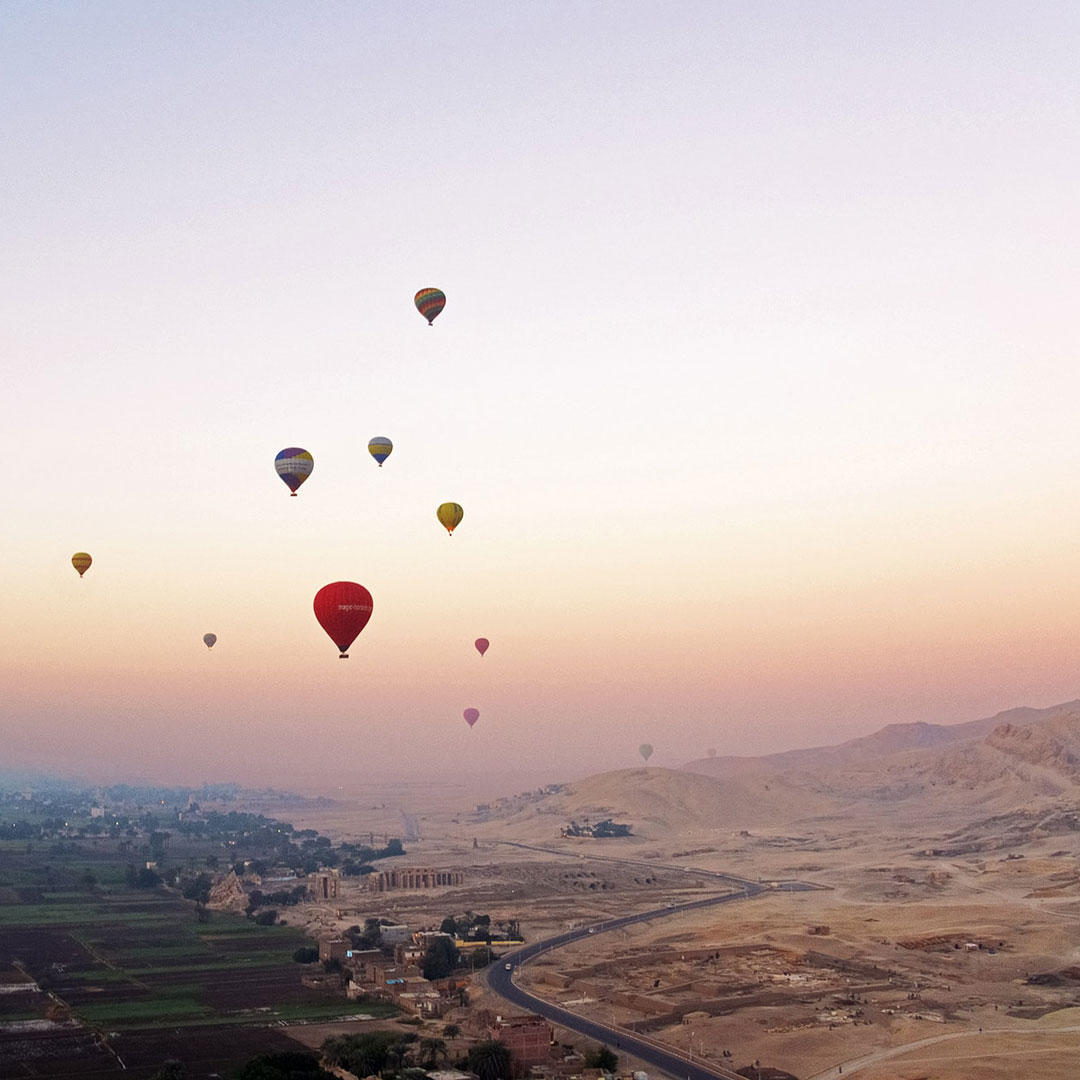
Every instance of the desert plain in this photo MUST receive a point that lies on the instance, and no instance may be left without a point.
(940, 939)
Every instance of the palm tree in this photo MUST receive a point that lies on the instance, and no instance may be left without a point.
(431, 1050)
(490, 1060)
(397, 1053)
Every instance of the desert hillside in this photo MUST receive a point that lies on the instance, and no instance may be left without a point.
(1023, 761)
(656, 802)
(889, 740)
(1024, 758)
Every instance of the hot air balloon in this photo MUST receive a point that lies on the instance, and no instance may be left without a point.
(645, 750)
(81, 561)
(343, 609)
(429, 302)
(471, 716)
(294, 466)
(209, 640)
(482, 644)
(380, 448)
(450, 515)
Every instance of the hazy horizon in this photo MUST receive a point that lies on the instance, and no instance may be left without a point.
(753, 381)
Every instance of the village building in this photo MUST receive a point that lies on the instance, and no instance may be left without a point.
(408, 952)
(334, 949)
(527, 1037)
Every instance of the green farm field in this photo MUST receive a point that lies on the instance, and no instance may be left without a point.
(104, 963)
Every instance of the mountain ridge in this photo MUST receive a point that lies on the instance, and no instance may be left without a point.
(888, 740)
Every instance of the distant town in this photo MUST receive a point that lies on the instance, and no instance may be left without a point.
(74, 863)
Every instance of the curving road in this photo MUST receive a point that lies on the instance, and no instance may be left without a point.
(657, 1055)
(500, 976)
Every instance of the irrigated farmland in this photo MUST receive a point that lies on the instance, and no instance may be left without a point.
(110, 982)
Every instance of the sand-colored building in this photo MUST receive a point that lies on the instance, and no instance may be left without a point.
(413, 878)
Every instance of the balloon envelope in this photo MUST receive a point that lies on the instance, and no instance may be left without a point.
(209, 640)
(429, 302)
(380, 448)
(645, 750)
(343, 609)
(81, 561)
(294, 466)
(450, 514)
(482, 644)
(471, 716)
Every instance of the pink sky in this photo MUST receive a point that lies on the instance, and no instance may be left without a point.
(755, 380)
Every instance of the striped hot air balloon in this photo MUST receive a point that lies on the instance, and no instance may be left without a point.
(429, 302)
(294, 466)
(380, 448)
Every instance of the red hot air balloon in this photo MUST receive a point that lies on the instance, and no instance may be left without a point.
(482, 644)
(471, 716)
(343, 610)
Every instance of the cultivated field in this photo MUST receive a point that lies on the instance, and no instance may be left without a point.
(108, 980)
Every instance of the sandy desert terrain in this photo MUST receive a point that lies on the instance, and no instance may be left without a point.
(943, 941)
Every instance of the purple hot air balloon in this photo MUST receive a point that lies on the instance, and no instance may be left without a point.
(471, 716)
(482, 644)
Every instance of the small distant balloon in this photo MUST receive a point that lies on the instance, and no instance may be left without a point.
(429, 302)
(645, 750)
(81, 561)
(294, 466)
(343, 609)
(471, 716)
(450, 515)
(380, 448)
(482, 644)
(209, 640)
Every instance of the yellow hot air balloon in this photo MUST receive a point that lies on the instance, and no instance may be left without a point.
(450, 515)
(81, 561)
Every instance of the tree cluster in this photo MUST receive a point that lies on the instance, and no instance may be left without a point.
(370, 1052)
(491, 1060)
(602, 1058)
(600, 830)
(440, 958)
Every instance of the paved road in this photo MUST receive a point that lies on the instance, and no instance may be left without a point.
(623, 1042)
(657, 1055)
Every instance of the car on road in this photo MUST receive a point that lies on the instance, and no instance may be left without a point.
(509, 967)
